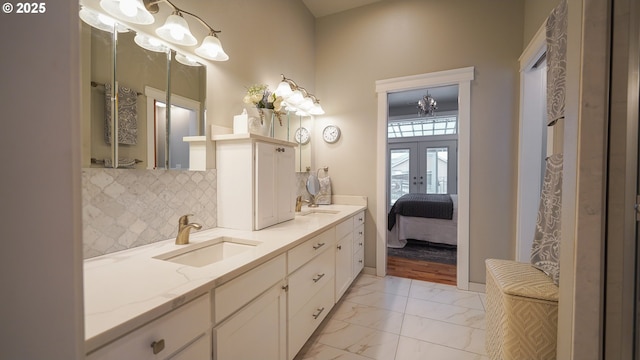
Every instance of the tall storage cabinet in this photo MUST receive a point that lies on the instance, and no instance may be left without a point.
(256, 181)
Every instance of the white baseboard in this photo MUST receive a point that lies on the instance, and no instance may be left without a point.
(477, 287)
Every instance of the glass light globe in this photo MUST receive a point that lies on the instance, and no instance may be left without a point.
(176, 30)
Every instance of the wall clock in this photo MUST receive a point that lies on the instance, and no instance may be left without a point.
(302, 136)
(331, 134)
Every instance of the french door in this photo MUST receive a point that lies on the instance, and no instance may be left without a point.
(428, 167)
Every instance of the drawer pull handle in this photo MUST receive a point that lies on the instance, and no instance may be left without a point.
(157, 346)
(318, 246)
(360, 219)
(318, 312)
(316, 279)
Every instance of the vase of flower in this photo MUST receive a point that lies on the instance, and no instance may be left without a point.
(265, 117)
(267, 105)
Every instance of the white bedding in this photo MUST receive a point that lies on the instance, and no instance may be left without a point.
(433, 230)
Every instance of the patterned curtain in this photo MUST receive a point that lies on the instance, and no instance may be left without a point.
(556, 62)
(545, 252)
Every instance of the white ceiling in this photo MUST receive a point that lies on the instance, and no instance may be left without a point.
(321, 8)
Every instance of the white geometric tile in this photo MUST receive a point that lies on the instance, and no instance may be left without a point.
(445, 294)
(448, 313)
(387, 284)
(359, 340)
(377, 299)
(446, 334)
(368, 316)
(319, 351)
(123, 208)
(412, 349)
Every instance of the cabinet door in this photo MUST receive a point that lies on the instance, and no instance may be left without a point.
(266, 180)
(285, 183)
(344, 269)
(257, 331)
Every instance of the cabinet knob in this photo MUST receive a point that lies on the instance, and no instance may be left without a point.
(318, 312)
(157, 346)
(360, 261)
(339, 247)
(360, 233)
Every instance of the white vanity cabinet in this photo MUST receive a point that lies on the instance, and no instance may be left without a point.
(256, 181)
(311, 295)
(250, 314)
(183, 333)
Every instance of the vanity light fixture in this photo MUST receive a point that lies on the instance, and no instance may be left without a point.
(100, 21)
(176, 30)
(133, 11)
(297, 99)
(211, 48)
(186, 60)
(150, 43)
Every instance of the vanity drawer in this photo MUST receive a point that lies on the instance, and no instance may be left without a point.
(236, 293)
(309, 279)
(311, 248)
(305, 321)
(358, 219)
(344, 228)
(358, 262)
(174, 330)
(358, 238)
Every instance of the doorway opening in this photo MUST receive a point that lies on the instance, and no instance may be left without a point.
(462, 78)
(422, 159)
(167, 148)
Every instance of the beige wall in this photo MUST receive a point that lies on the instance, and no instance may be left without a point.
(41, 257)
(398, 38)
(535, 16)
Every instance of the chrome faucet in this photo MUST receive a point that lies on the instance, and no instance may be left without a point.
(299, 202)
(183, 229)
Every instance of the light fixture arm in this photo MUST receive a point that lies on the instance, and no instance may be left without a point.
(152, 7)
(295, 86)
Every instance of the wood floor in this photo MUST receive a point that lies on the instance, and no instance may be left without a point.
(421, 270)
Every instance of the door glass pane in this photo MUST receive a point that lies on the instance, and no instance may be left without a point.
(436, 175)
(399, 181)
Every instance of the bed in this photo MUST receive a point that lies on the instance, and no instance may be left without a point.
(425, 217)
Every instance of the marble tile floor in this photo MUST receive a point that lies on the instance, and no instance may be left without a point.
(393, 318)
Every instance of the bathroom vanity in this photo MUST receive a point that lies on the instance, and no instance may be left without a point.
(262, 298)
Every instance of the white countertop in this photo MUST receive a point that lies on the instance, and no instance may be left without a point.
(127, 289)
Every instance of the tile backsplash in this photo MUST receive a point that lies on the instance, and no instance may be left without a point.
(122, 208)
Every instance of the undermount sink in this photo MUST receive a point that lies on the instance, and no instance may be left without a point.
(208, 252)
(318, 212)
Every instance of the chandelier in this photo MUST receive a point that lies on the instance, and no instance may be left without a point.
(427, 106)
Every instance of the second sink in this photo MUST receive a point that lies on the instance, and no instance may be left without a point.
(208, 252)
